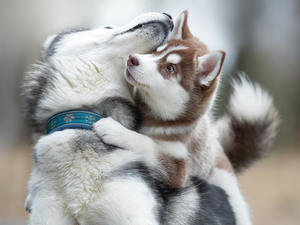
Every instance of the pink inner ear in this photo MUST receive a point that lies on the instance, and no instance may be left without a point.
(176, 30)
(209, 66)
(176, 33)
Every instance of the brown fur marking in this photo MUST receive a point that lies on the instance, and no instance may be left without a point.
(258, 138)
(177, 170)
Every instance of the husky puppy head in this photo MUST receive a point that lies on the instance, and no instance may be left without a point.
(80, 67)
(179, 80)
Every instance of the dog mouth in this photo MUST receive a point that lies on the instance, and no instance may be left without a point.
(165, 26)
(129, 77)
(132, 80)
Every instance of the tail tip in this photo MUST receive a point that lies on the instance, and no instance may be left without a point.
(249, 102)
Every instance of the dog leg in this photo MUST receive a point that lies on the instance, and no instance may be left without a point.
(113, 133)
(228, 182)
(124, 201)
(48, 210)
(169, 159)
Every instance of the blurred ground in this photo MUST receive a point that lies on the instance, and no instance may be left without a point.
(15, 167)
(271, 187)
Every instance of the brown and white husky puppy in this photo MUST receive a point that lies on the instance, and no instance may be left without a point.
(175, 88)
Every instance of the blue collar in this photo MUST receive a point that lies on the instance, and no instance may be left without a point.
(72, 119)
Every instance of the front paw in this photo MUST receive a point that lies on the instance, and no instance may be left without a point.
(109, 131)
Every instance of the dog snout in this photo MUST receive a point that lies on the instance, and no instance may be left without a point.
(133, 61)
(171, 24)
(168, 15)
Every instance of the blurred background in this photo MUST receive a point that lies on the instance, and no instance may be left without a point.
(261, 38)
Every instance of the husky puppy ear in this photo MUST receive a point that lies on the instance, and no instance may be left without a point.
(209, 66)
(181, 30)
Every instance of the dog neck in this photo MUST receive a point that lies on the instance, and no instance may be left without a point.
(72, 119)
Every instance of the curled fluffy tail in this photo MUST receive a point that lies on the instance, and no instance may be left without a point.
(248, 131)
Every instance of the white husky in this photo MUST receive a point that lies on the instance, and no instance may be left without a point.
(76, 178)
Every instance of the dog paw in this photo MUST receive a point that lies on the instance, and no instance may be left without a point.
(110, 131)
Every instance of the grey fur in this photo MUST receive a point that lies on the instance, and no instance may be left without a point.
(120, 109)
(35, 87)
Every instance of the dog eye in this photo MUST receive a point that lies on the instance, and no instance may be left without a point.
(171, 69)
(108, 28)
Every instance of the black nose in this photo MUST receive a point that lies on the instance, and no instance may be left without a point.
(171, 24)
(170, 17)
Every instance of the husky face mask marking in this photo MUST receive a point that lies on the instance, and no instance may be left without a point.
(174, 73)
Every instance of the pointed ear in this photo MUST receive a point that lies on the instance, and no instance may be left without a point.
(209, 67)
(181, 29)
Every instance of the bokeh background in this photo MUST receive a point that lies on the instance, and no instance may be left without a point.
(261, 38)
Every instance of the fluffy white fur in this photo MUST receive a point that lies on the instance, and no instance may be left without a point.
(166, 51)
(173, 58)
(229, 183)
(114, 133)
(80, 185)
(249, 102)
(165, 130)
(183, 206)
(162, 47)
